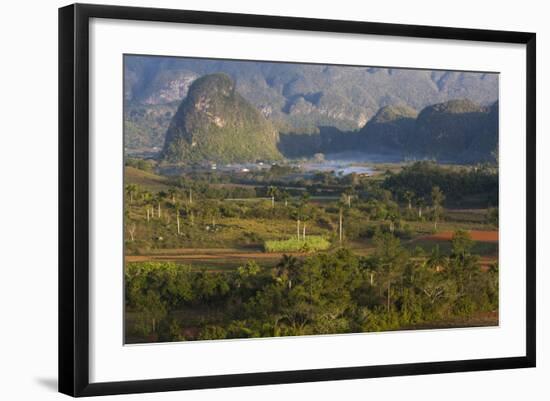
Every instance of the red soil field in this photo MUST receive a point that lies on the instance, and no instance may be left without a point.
(482, 236)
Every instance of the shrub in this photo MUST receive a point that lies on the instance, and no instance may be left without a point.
(212, 333)
(250, 237)
(170, 330)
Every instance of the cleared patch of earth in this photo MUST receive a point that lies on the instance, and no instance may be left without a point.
(477, 235)
(209, 254)
(214, 260)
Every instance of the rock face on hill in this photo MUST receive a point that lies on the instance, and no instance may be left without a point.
(216, 124)
(168, 86)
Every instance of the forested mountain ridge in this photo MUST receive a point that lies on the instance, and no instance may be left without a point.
(296, 98)
(389, 130)
(455, 131)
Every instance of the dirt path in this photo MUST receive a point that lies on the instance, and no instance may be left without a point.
(209, 254)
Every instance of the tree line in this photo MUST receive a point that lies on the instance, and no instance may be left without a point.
(415, 183)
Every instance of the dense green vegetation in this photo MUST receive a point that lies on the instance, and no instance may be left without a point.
(328, 293)
(216, 124)
(460, 185)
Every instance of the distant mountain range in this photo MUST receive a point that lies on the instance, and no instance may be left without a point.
(325, 108)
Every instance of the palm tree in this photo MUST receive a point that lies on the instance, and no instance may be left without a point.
(159, 198)
(304, 211)
(147, 198)
(437, 204)
(272, 192)
(177, 206)
(296, 215)
(461, 244)
(215, 213)
(371, 276)
(172, 192)
(288, 267)
(341, 204)
(285, 196)
(420, 203)
(409, 195)
(437, 261)
(305, 218)
(131, 189)
(211, 211)
(190, 211)
(349, 193)
(187, 211)
(370, 268)
(393, 218)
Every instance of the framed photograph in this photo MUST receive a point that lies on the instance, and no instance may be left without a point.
(249, 199)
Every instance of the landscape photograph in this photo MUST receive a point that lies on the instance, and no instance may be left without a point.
(271, 199)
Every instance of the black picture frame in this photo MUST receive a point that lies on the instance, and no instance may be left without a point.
(74, 198)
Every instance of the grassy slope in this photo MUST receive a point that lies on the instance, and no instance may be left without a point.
(145, 179)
